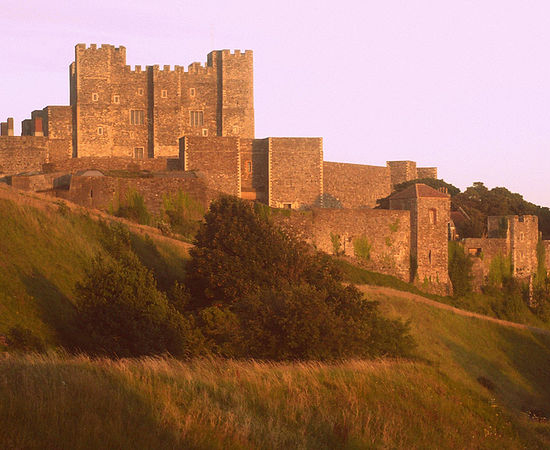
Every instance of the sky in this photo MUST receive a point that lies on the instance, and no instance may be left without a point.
(460, 85)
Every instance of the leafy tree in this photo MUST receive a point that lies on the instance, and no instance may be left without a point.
(121, 313)
(256, 292)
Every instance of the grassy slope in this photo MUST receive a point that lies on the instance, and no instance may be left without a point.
(50, 401)
(45, 252)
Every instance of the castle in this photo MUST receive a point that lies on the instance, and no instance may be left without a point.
(193, 130)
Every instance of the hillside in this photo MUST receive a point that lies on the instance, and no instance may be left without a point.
(46, 247)
(474, 382)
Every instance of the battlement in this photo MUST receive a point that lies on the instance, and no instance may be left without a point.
(104, 47)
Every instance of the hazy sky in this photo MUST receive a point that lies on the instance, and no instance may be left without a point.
(461, 85)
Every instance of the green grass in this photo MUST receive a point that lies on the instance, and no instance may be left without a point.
(475, 302)
(46, 252)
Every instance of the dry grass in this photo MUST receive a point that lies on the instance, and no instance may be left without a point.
(60, 402)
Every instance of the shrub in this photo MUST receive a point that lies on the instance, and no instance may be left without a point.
(182, 212)
(23, 340)
(133, 208)
(336, 244)
(361, 248)
(258, 293)
(121, 313)
(460, 269)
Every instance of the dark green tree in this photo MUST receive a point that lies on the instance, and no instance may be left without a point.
(120, 312)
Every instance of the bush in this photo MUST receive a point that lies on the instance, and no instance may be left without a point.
(23, 340)
(258, 293)
(133, 208)
(361, 248)
(460, 269)
(182, 213)
(121, 313)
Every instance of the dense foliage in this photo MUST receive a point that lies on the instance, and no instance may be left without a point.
(460, 269)
(478, 202)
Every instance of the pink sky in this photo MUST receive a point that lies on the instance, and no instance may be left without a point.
(461, 85)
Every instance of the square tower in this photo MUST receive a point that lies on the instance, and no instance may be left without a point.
(430, 217)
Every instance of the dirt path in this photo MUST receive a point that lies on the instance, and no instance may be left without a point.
(49, 203)
(368, 289)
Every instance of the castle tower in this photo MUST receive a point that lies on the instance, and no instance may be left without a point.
(235, 108)
(522, 235)
(139, 113)
(430, 216)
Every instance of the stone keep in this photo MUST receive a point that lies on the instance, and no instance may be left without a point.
(142, 113)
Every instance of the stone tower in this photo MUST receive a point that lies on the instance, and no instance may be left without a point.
(430, 216)
(139, 113)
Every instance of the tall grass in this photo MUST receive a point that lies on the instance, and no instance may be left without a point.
(51, 402)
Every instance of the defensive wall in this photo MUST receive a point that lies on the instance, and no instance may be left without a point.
(104, 192)
(511, 237)
(378, 239)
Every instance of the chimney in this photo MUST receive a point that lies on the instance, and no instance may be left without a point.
(4, 129)
(443, 189)
(10, 126)
(38, 130)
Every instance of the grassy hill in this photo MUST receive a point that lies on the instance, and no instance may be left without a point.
(473, 383)
(46, 248)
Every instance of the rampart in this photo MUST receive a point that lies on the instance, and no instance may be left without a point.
(103, 192)
(73, 165)
(217, 159)
(354, 185)
(378, 239)
(22, 154)
(295, 172)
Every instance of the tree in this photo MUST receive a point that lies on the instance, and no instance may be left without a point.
(121, 313)
(257, 292)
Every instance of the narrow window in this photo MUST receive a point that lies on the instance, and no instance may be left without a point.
(433, 216)
(100, 131)
(196, 118)
(95, 97)
(235, 130)
(164, 93)
(138, 152)
(248, 166)
(205, 132)
(116, 99)
(140, 91)
(430, 256)
(192, 92)
(137, 117)
(287, 205)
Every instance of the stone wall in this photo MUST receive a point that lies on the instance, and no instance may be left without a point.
(217, 159)
(123, 112)
(483, 251)
(104, 192)
(22, 154)
(354, 185)
(254, 162)
(295, 172)
(385, 233)
(426, 172)
(524, 235)
(73, 165)
(402, 171)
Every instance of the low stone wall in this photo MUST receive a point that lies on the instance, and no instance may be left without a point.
(20, 154)
(102, 192)
(73, 165)
(383, 234)
(482, 251)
